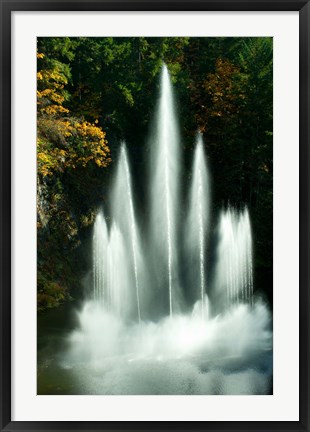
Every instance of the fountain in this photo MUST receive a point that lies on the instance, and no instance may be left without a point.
(119, 264)
(234, 272)
(164, 185)
(158, 323)
(123, 214)
(117, 257)
(197, 225)
(100, 241)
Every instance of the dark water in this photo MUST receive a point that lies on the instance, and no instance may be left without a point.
(53, 328)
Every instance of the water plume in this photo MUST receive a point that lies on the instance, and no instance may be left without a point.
(123, 347)
(100, 245)
(164, 191)
(234, 269)
(226, 354)
(197, 224)
(123, 215)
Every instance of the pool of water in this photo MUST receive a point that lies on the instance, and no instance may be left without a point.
(87, 351)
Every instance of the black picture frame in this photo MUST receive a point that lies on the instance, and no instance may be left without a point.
(7, 7)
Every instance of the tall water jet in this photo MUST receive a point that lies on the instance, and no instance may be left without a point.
(123, 214)
(118, 274)
(100, 246)
(234, 270)
(246, 238)
(197, 224)
(164, 191)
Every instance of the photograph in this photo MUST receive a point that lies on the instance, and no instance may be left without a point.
(155, 211)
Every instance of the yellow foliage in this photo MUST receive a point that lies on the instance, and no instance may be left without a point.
(78, 144)
(52, 110)
(64, 142)
(50, 95)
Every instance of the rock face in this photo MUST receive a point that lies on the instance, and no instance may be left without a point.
(62, 225)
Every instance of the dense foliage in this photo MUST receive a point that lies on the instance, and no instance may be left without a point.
(93, 92)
